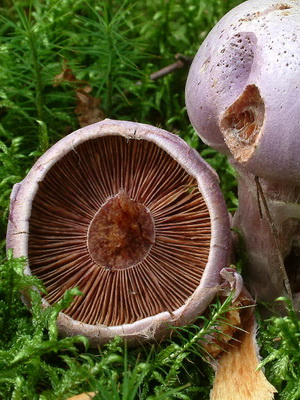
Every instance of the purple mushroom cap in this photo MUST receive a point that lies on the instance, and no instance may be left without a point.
(132, 216)
(243, 89)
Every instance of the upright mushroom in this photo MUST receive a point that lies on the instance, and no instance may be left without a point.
(243, 98)
(132, 216)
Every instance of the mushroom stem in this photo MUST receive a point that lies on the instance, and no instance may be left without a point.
(268, 217)
(83, 396)
(233, 347)
(247, 382)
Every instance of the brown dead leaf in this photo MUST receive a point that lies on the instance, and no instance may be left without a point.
(65, 75)
(87, 109)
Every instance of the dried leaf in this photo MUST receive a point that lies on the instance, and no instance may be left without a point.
(65, 75)
(88, 107)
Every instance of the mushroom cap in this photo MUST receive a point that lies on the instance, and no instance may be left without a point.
(157, 211)
(243, 90)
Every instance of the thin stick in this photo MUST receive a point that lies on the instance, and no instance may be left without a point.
(261, 197)
(183, 61)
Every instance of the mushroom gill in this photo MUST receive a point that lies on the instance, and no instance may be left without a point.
(125, 223)
(241, 124)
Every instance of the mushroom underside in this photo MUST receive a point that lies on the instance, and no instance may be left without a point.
(125, 223)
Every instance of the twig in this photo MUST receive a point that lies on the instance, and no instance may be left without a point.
(261, 197)
(182, 61)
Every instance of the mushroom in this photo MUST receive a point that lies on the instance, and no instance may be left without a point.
(243, 99)
(134, 218)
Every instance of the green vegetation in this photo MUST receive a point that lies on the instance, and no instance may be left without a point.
(281, 350)
(36, 364)
(64, 64)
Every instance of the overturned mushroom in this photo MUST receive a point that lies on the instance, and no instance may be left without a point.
(134, 218)
(243, 98)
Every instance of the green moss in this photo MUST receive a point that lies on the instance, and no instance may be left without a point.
(35, 363)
